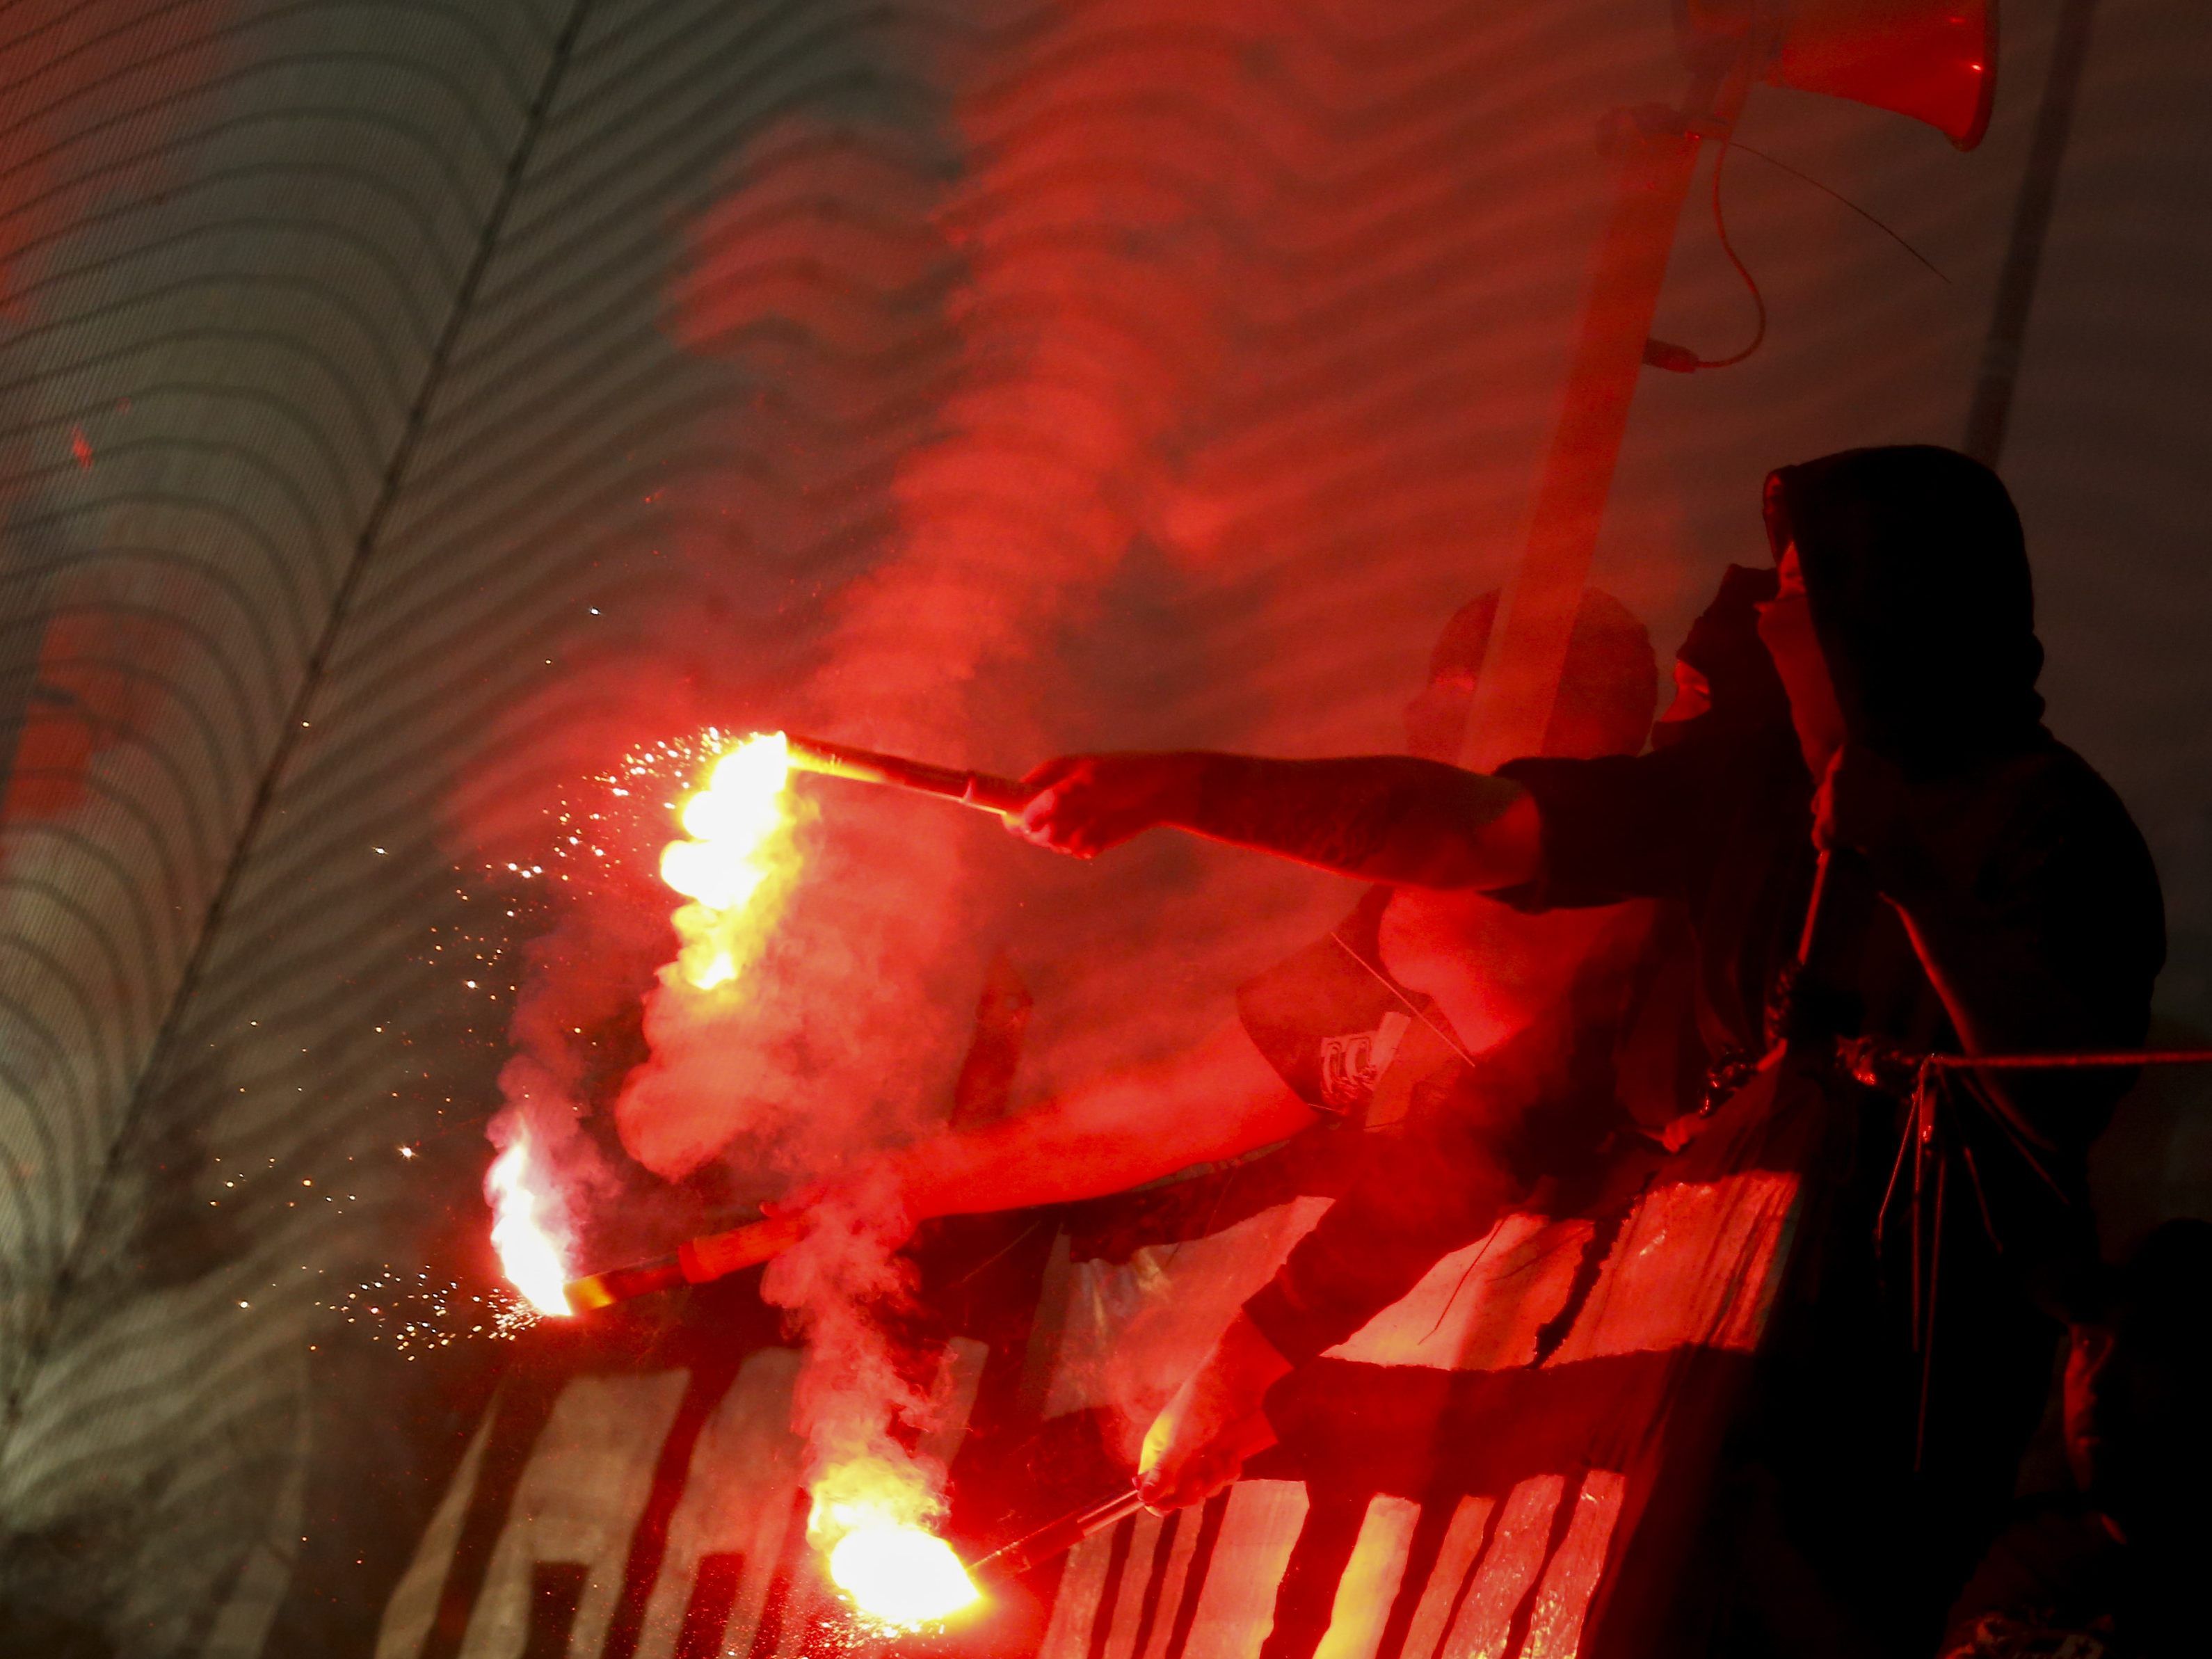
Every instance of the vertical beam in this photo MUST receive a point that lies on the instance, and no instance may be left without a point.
(1521, 672)
(1991, 413)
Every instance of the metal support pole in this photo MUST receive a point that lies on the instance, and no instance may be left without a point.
(1528, 647)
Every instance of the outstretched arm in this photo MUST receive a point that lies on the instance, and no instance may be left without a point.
(1213, 1102)
(1386, 818)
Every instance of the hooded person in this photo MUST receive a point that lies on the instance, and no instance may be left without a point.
(1722, 669)
(1987, 894)
(1637, 1062)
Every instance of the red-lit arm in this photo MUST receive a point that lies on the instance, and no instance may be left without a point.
(1210, 1102)
(1386, 818)
(1199, 1443)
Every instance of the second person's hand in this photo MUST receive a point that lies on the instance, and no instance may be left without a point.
(1199, 1443)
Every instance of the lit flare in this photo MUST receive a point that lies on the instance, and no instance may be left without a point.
(738, 854)
(867, 1517)
(737, 847)
(738, 830)
(900, 1575)
(527, 1253)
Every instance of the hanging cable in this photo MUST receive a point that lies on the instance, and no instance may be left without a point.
(1807, 178)
(1758, 299)
(1681, 360)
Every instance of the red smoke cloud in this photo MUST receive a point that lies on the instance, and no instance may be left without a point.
(1160, 291)
(1247, 287)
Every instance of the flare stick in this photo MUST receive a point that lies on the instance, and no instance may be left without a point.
(1249, 1438)
(696, 1261)
(1053, 1538)
(981, 790)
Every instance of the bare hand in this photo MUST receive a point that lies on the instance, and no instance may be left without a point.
(1087, 804)
(1199, 1443)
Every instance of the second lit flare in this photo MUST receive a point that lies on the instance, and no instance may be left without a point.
(870, 1518)
(529, 1252)
(738, 843)
(900, 1575)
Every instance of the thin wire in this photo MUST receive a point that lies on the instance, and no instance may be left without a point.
(1826, 190)
(1759, 299)
(2068, 1062)
(1489, 1239)
(1452, 1044)
(1413, 1007)
(1720, 227)
(1017, 1239)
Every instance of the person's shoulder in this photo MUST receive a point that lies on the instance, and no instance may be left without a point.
(2059, 805)
(2051, 780)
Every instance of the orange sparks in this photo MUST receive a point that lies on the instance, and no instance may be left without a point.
(527, 1254)
(737, 832)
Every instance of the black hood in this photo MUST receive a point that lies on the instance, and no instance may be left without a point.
(1917, 576)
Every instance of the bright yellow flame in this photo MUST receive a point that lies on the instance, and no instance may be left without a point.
(527, 1254)
(738, 827)
(869, 1515)
(900, 1575)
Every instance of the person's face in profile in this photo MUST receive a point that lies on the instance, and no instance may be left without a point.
(1693, 693)
(1785, 629)
(1694, 696)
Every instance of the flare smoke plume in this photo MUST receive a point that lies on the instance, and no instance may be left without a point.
(1114, 320)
